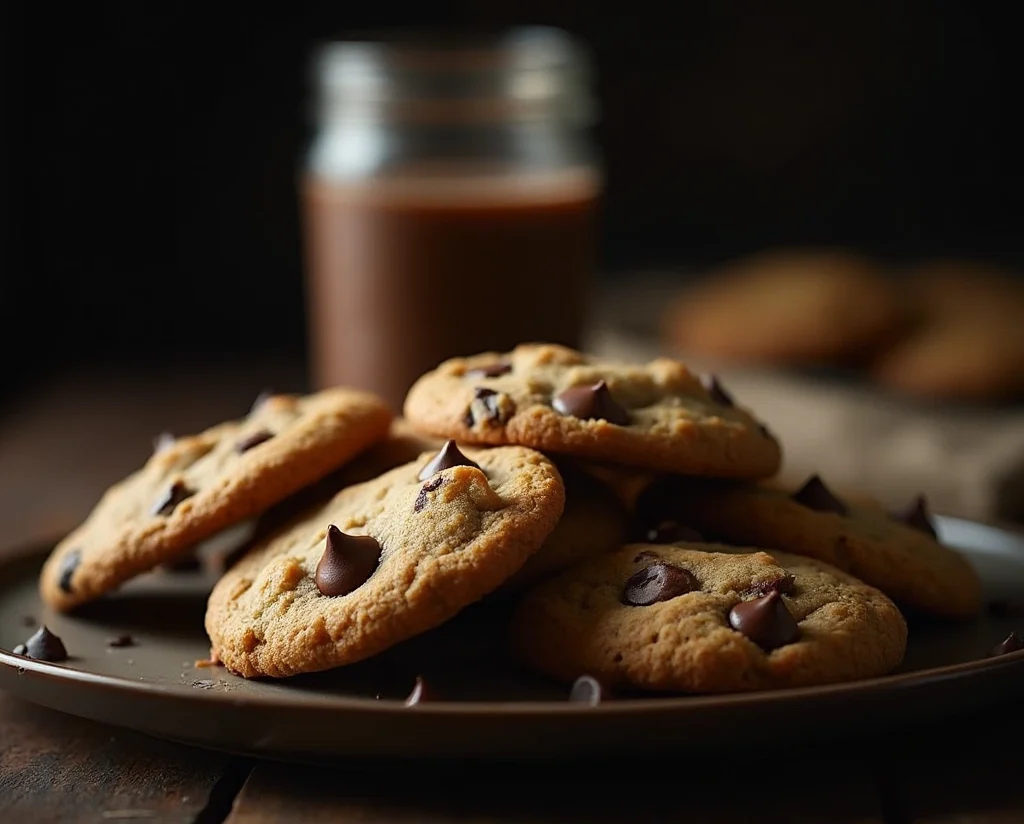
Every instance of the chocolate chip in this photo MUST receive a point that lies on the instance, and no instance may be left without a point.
(766, 621)
(492, 370)
(448, 457)
(43, 646)
(347, 563)
(261, 399)
(916, 516)
(815, 495)
(163, 442)
(121, 641)
(716, 390)
(783, 586)
(254, 439)
(66, 570)
(421, 499)
(669, 531)
(1011, 643)
(168, 502)
(421, 693)
(658, 582)
(590, 403)
(588, 690)
(488, 406)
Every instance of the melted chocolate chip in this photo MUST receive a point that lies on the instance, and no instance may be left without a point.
(261, 399)
(783, 586)
(421, 498)
(815, 495)
(658, 582)
(43, 646)
(668, 531)
(916, 516)
(121, 641)
(766, 621)
(421, 693)
(66, 570)
(716, 390)
(588, 690)
(448, 457)
(492, 370)
(162, 442)
(254, 439)
(1011, 643)
(168, 502)
(488, 406)
(590, 403)
(347, 563)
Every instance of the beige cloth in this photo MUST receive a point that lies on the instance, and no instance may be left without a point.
(969, 462)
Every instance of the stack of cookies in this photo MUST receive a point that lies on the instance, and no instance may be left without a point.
(625, 513)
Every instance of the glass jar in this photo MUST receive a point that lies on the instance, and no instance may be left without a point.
(450, 198)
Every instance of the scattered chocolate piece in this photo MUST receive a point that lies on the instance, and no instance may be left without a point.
(347, 563)
(254, 439)
(448, 457)
(766, 621)
(168, 502)
(121, 641)
(43, 646)
(493, 370)
(1011, 643)
(658, 582)
(421, 498)
(716, 390)
(590, 403)
(488, 406)
(421, 693)
(163, 441)
(669, 531)
(783, 586)
(261, 399)
(916, 516)
(67, 568)
(588, 690)
(815, 495)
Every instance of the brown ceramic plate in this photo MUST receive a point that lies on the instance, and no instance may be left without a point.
(490, 709)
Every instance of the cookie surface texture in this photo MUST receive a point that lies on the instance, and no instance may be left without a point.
(195, 486)
(905, 562)
(657, 416)
(426, 541)
(692, 618)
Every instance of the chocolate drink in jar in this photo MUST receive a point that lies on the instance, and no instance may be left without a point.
(446, 212)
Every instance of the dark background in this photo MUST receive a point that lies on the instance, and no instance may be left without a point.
(150, 152)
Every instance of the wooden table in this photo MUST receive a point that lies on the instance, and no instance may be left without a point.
(63, 444)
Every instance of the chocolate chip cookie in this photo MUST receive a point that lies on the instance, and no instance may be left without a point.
(656, 416)
(898, 552)
(384, 561)
(706, 618)
(594, 522)
(195, 486)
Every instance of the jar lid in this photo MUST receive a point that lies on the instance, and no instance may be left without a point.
(439, 76)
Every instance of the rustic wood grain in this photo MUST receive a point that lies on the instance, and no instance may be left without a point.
(55, 767)
(712, 791)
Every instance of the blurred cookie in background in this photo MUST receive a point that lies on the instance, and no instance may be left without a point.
(800, 307)
(967, 342)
